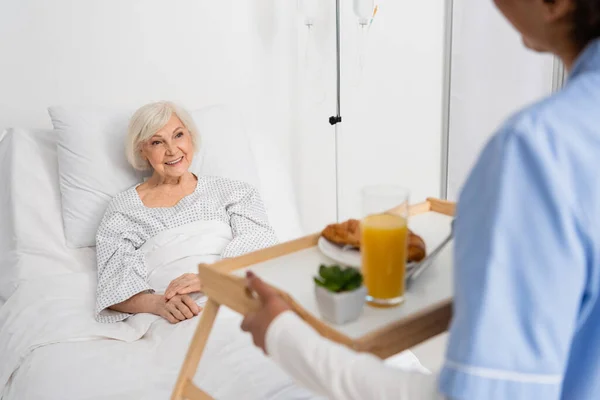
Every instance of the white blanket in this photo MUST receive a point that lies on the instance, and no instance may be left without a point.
(59, 310)
(177, 251)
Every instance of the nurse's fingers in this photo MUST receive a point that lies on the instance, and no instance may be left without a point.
(264, 291)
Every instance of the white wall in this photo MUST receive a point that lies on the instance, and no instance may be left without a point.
(493, 76)
(128, 52)
(258, 56)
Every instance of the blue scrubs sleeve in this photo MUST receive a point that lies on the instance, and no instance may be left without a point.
(519, 274)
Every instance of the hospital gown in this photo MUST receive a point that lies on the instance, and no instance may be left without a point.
(127, 224)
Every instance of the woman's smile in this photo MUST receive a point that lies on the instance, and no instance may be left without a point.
(174, 162)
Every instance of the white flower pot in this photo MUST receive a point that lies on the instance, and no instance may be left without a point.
(340, 308)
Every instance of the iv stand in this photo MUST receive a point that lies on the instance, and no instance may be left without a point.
(337, 119)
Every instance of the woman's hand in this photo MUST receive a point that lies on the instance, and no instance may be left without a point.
(178, 308)
(185, 284)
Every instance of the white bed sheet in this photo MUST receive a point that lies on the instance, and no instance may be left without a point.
(52, 347)
(231, 368)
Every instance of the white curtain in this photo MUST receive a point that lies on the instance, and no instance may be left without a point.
(493, 75)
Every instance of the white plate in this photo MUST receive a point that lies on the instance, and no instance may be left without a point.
(348, 256)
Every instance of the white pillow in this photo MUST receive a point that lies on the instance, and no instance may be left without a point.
(31, 233)
(93, 167)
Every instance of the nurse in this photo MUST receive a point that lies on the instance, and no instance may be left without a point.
(527, 251)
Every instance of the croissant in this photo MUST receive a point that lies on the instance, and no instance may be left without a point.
(348, 234)
(416, 247)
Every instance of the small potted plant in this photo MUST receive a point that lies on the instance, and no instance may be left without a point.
(340, 293)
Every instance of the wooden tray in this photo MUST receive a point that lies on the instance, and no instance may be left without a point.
(290, 266)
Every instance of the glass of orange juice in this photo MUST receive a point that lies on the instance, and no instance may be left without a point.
(384, 241)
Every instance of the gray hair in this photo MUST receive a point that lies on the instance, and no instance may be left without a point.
(148, 120)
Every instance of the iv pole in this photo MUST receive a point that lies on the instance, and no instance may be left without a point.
(337, 119)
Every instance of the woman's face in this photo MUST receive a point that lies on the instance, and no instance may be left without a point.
(170, 151)
(542, 23)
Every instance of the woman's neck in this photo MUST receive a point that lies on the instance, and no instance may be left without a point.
(568, 59)
(158, 180)
(568, 53)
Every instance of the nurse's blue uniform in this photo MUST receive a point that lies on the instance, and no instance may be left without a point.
(527, 254)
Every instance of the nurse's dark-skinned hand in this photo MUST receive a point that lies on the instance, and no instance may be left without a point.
(257, 323)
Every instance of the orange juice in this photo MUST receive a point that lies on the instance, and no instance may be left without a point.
(383, 252)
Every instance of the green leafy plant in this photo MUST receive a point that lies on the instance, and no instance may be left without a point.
(337, 280)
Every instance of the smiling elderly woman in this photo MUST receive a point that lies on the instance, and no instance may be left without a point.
(163, 137)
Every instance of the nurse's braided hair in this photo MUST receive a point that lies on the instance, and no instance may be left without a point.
(586, 21)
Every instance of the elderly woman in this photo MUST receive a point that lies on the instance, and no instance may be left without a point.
(163, 137)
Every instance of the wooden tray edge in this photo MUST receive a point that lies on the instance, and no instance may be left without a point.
(306, 242)
(402, 335)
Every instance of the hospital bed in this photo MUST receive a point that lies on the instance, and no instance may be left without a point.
(50, 345)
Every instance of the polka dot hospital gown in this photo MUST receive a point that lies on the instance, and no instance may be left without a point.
(127, 224)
